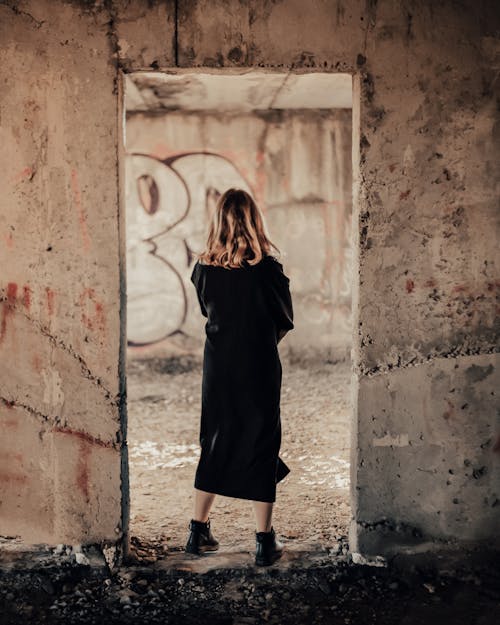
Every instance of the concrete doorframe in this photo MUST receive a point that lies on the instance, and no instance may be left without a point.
(122, 364)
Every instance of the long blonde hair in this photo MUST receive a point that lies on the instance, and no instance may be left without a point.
(237, 232)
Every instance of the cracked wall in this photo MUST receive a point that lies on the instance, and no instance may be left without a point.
(425, 356)
(59, 290)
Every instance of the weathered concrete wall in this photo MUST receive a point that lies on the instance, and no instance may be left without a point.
(60, 278)
(297, 164)
(426, 198)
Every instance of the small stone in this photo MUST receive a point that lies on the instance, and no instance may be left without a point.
(324, 587)
(81, 558)
(394, 586)
(47, 586)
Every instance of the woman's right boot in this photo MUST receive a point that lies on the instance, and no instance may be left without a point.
(200, 538)
(267, 549)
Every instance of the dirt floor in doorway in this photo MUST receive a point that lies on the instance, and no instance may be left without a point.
(312, 508)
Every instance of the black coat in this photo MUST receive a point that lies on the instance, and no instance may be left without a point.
(240, 429)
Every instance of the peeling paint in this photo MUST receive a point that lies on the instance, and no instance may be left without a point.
(391, 440)
(53, 394)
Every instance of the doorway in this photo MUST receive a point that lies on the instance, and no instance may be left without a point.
(287, 139)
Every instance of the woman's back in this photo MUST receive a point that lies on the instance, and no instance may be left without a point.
(247, 308)
(241, 303)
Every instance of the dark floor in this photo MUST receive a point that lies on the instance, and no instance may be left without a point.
(322, 589)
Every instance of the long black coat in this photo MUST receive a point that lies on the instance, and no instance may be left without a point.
(240, 429)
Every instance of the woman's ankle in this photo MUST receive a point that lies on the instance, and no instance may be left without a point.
(265, 531)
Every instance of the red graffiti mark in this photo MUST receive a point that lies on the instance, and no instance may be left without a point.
(37, 364)
(12, 424)
(404, 194)
(459, 288)
(50, 300)
(392, 167)
(12, 477)
(26, 173)
(9, 240)
(14, 455)
(26, 296)
(85, 441)
(77, 196)
(11, 292)
(82, 476)
(8, 403)
(451, 410)
(410, 286)
(8, 307)
(84, 436)
(96, 320)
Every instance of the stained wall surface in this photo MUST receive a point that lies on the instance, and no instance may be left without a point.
(60, 277)
(297, 165)
(426, 441)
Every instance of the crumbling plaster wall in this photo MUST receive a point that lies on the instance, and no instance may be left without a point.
(425, 364)
(60, 444)
(296, 163)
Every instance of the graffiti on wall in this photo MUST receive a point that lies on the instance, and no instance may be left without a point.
(169, 202)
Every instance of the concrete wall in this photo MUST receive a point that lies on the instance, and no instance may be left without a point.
(297, 164)
(426, 436)
(60, 278)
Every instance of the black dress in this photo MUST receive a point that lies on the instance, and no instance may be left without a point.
(240, 428)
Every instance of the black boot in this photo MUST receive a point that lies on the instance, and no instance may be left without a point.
(268, 549)
(200, 538)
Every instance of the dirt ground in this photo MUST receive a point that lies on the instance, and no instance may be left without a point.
(312, 505)
(58, 590)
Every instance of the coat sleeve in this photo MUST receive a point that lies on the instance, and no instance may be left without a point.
(195, 279)
(278, 295)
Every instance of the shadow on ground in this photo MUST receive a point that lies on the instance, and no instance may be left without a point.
(228, 589)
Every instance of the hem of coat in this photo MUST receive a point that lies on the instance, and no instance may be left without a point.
(224, 493)
(281, 473)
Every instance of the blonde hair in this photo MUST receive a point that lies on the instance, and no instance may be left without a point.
(237, 232)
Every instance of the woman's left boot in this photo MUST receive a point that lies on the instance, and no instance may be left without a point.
(200, 538)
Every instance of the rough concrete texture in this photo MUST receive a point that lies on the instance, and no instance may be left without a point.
(60, 279)
(297, 164)
(426, 227)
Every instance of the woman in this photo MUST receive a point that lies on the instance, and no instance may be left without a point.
(245, 296)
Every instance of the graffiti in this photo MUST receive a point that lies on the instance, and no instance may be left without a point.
(92, 317)
(169, 202)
